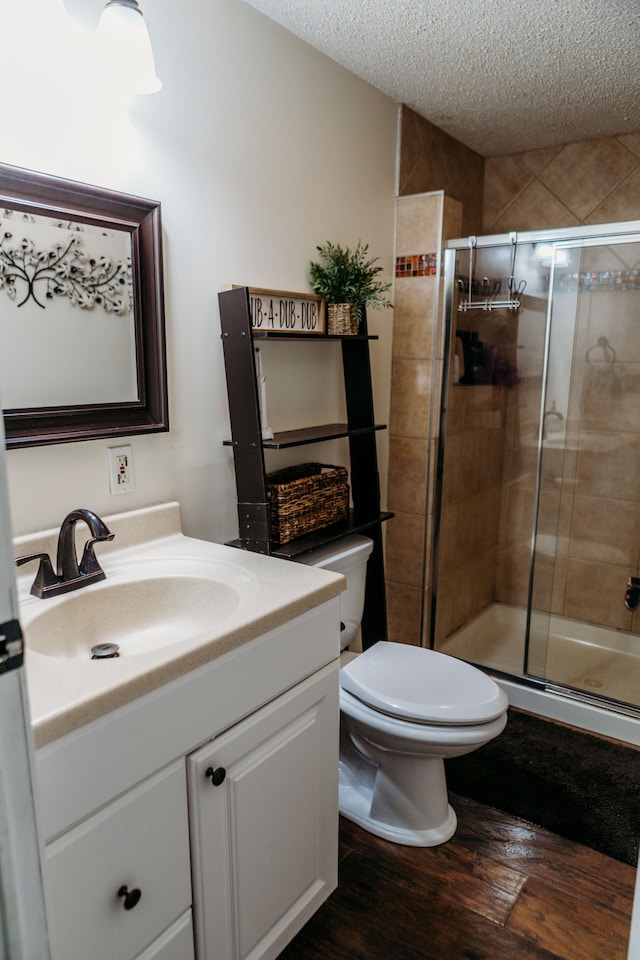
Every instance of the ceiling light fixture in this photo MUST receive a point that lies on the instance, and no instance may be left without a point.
(123, 35)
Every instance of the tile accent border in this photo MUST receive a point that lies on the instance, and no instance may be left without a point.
(606, 280)
(417, 265)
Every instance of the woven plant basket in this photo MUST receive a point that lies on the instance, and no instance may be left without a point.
(306, 497)
(342, 318)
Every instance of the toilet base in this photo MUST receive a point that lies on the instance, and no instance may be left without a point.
(354, 801)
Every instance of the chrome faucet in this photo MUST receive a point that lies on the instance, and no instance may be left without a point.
(70, 575)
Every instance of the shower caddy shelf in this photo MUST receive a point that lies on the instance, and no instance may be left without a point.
(254, 522)
(489, 289)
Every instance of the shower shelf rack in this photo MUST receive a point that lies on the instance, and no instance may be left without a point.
(488, 304)
(489, 289)
(254, 523)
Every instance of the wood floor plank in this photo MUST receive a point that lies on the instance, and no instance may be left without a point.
(567, 866)
(500, 889)
(378, 916)
(567, 925)
(485, 886)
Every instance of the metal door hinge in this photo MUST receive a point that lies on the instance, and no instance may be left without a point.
(11, 646)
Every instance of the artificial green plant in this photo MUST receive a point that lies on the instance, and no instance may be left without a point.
(348, 276)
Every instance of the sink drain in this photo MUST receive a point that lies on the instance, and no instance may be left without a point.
(105, 651)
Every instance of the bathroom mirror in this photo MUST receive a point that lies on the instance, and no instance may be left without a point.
(81, 311)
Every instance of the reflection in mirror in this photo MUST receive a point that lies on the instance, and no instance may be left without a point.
(65, 283)
(81, 311)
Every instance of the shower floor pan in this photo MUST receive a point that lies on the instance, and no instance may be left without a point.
(599, 661)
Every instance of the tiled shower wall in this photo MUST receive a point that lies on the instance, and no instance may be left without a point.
(417, 363)
(593, 181)
(431, 160)
(471, 533)
(589, 182)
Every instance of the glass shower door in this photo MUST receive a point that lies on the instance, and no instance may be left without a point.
(587, 524)
(488, 454)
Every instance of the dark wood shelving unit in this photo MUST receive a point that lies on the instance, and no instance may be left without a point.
(254, 521)
(298, 438)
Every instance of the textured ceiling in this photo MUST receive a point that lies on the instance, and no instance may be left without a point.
(501, 76)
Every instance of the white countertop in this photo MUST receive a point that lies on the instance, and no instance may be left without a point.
(66, 692)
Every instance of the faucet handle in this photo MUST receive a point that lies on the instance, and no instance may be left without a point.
(89, 565)
(46, 577)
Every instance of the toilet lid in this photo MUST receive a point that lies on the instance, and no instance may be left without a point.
(413, 683)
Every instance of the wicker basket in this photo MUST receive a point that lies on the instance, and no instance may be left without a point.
(305, 498)
(342, 318)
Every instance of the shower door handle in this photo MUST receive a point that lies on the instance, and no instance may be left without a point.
(632, 593)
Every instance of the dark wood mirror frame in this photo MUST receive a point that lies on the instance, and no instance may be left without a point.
(38, 193)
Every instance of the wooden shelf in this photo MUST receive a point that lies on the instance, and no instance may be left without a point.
(295, 548)
(318, 337)
(306, 435)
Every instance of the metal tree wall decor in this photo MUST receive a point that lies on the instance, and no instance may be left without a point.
(31, 271)
(64, 305)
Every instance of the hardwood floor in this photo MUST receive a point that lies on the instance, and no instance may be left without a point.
(500, 889)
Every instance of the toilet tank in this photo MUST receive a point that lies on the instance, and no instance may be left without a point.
(347, 556)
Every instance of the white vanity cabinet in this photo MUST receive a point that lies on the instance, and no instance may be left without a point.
(230, 862)
(262, 805)
(122, 876)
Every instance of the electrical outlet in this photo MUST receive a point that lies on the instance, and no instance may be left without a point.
(121, 469)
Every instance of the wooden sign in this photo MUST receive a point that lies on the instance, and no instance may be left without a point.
(277, 311)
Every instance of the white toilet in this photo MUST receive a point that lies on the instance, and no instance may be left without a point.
(404, 710)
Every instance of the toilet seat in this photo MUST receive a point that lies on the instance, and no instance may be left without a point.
(392, 732)
(422, 686)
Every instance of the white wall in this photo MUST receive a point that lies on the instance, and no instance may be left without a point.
(259, 148)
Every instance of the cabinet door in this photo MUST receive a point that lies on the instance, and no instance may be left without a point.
(140, 841)
(264, 823)
(175, 944)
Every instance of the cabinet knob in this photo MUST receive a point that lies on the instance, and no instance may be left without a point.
(217, 775)
(131, 897)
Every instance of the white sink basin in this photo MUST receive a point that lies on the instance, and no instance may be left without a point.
(171, 603)
(141, 607)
